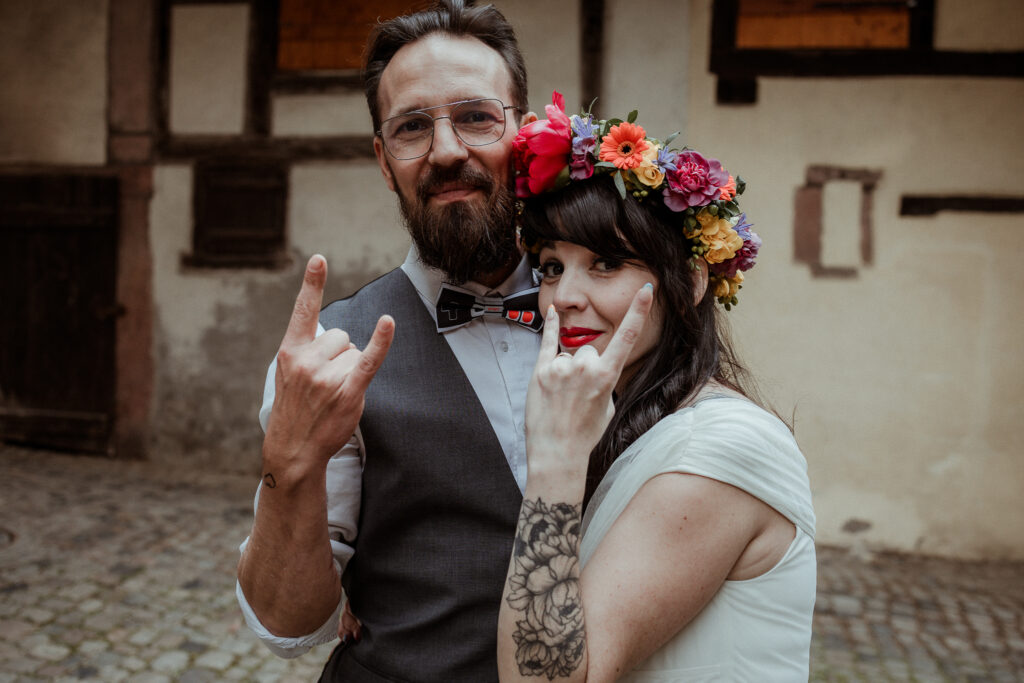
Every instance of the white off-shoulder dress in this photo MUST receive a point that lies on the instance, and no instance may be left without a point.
(753, 630)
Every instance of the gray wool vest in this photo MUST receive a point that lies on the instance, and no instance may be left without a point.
(439, 507)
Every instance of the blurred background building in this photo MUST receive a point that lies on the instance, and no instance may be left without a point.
(167, 166)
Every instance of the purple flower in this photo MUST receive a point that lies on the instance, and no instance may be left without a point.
(584, 134)
(742, 227)
(695, 182)
(584, 143)
(744, 258)
(666, 160)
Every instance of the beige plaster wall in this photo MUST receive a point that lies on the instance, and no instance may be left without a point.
(646, 64)
(320, 114)
(208, 68)
(53, 82)
(548, 34)
(991, 25)
(905, 382)
(217, 330)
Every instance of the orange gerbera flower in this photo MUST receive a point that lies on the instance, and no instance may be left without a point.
(624, 145)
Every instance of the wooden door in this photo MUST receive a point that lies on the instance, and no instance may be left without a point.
(58, 270)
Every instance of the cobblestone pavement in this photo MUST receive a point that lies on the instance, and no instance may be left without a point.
(113, 570)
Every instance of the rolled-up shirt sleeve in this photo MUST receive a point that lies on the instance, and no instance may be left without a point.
(281, 646)
(344, 487)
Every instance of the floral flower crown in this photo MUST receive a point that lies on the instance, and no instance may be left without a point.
(550, 154)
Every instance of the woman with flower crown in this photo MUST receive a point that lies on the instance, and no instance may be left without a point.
(694, 559)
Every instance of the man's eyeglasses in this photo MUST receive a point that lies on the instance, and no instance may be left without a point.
(475, 122)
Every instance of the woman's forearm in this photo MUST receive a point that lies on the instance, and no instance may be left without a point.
(542, 630)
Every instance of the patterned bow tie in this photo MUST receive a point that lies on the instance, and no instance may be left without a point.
(457, 307)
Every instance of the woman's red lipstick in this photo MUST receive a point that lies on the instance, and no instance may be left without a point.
(575, 337)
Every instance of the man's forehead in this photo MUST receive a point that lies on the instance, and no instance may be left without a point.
(440, 69)
(405, 105)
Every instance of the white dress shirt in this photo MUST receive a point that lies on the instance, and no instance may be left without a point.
(498, 358)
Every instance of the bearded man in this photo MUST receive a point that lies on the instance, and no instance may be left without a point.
(407, 489)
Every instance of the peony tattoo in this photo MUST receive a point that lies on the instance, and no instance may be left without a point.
(544, 588)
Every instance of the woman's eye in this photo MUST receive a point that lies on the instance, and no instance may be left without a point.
(607, 264)
(550, 269)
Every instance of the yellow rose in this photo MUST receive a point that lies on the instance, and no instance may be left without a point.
(651, 153)
(727, 287)
(648, 172)
(721, 240)
(705, 219)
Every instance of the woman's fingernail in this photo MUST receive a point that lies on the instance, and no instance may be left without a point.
(648, 285)
(551, 312)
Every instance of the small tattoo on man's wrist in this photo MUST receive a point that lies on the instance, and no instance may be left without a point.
(269, 481)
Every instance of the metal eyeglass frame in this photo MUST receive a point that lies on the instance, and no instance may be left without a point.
(504, 125)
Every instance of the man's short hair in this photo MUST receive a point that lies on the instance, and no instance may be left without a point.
(452, 17)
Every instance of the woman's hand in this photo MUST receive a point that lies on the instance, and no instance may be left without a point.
(541, 624)
(569, 401)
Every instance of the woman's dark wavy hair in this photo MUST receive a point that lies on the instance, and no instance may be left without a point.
(694, 346)
(452, 17)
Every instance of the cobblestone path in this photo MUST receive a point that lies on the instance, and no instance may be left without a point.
(123, 571)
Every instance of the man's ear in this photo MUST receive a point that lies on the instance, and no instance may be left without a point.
(378, 149)
(528, 117)
(700, 280)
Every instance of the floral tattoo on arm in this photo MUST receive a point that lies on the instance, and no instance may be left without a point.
(544, 588)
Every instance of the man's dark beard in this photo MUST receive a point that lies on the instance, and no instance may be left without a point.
(460, 239)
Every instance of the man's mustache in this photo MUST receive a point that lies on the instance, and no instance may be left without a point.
(463, 175)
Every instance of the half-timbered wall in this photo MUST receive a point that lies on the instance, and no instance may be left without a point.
(882, 315)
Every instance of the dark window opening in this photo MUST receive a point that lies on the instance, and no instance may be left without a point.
(239, 209)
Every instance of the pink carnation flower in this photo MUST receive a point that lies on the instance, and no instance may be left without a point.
(696, 181)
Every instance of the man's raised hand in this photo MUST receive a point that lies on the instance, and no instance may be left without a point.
(320, 382)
